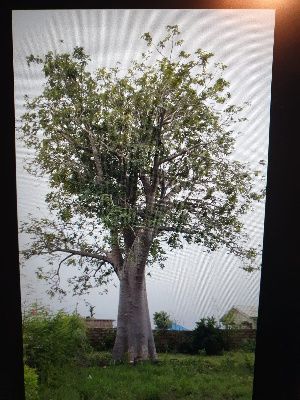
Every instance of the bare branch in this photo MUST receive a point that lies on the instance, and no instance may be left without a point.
(83, 253)
(100, 266)
(59, 265)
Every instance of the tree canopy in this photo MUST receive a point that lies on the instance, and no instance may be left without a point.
(142, 158)
(162, 320)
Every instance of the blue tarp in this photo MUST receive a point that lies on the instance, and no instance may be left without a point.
(176, 327)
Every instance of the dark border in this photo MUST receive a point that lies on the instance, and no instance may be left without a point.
(277, 365)
(11, 360)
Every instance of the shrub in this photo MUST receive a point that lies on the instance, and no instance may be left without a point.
(248, 345)
(98, 359)
(31, 383)
(107, 343)
(207, 336)
(52, 340)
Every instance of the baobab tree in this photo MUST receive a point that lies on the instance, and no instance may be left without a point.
(137, 162)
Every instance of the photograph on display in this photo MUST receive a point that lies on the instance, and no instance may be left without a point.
(142, 149)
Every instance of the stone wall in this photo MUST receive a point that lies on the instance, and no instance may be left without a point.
(236, 337)
(170, 340)
(99, 323)
(100, 336)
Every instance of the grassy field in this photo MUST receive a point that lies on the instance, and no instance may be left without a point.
(175, 376)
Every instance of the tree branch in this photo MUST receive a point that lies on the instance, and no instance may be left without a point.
(114, 257)
(110, 150)
(96, 158)
(69, 138)
(146, 184)
(150, 189)
(101, 265)
(176, 155)
(115, 254)
(83, 253)
(59, 265)
(129, 237)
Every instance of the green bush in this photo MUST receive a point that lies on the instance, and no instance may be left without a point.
(52, 339)
(107, 343)
(207, 336)
(97, 359)
(162, 320)
(248, 345)
(31, 383)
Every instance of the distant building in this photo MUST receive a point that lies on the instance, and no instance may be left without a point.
(240, 317)
(99, 323)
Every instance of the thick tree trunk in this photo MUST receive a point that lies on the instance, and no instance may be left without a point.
(134, 333)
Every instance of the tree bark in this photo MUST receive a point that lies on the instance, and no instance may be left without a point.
(134, 333)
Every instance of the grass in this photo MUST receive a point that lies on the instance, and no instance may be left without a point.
(175, 376)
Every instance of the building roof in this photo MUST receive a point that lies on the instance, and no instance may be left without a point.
(250, 311)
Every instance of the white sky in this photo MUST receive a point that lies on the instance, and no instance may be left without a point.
(193, 284)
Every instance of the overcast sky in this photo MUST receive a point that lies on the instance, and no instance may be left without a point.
(194, 284)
